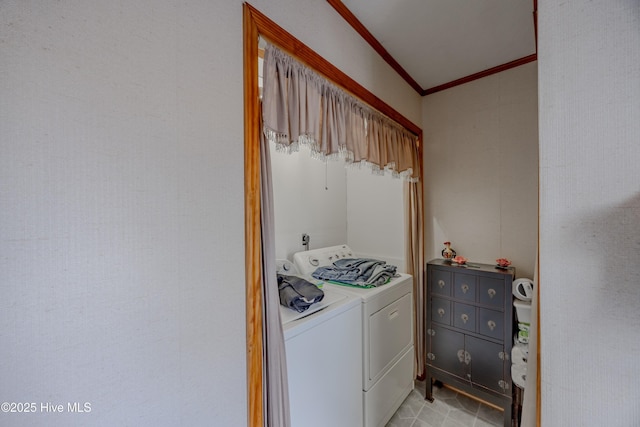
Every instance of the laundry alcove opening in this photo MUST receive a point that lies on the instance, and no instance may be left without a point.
(396, 146)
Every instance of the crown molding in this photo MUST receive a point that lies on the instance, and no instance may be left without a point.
(377, 46)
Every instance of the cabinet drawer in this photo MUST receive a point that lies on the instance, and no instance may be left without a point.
(464, 287)
(492, 292)
(440, 282)
(464, 316)
(491, 323)
(441, 311)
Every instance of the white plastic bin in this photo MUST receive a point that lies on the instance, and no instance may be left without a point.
(523, 311)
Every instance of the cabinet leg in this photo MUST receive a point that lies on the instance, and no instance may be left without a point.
(428, 395)
(508, 415)
(517, 406)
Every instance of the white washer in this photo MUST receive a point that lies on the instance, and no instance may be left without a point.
(324, 378)
(387, 335)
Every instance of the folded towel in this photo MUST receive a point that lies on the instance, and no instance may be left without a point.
(362, 272)
(297, 293)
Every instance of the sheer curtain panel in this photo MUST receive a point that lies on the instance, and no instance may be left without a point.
(414, 243)
(275, 384)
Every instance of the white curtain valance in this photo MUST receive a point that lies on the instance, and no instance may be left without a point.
(302, 107)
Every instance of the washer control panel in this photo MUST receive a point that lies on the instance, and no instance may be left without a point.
(308, 261)
(284, 266)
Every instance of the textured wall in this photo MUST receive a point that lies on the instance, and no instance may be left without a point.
(481, 169)
(121, 186)
(589, 65)
(121, 203)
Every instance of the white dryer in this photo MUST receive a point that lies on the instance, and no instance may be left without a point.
(387, 335)
(324, 382)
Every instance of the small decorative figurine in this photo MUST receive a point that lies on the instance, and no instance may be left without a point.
(459, 260)
(502, 263)
(448, 253)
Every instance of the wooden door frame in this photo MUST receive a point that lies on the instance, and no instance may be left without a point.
(253, 276)
(256, 25)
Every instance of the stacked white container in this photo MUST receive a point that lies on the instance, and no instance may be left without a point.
(522, 291)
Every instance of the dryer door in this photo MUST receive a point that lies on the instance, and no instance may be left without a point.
(390, 335)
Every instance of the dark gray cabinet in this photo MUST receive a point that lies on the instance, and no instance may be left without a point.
(470, 331)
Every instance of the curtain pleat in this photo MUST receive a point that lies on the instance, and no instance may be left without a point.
(332, 124)
(374, 138)
(301, 107)
(275, 384)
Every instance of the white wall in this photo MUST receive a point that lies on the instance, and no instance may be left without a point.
(589, 60)
(375, 216)
(121, 194)
(481, 169)
(310, 197)
(336, 204)
(121, 186)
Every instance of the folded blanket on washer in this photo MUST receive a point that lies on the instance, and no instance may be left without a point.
(365, 272)
(298, 294)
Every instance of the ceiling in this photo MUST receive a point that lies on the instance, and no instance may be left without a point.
(434, 43)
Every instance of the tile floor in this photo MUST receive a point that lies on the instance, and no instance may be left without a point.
(449, 409)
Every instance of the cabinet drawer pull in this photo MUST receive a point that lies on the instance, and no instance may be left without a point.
(441, 283)
(441, 312)
(464, 317)
(393, 314)
(491, 292)
(491, 324)
(465, 288)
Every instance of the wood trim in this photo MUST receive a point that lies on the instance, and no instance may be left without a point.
(374, 43)
(272, 32)
(535, 22)
(472, 397)
(252, 221)
(481, 74)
